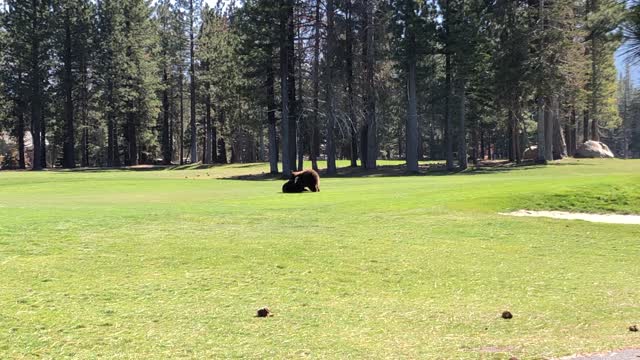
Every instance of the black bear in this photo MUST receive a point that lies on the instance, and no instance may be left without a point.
(302, 179)
(292, 186)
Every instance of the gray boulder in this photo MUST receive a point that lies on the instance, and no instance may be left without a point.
(594, 149)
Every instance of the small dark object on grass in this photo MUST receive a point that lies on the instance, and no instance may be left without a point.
(633, 328)
(264, 312)
(507, 315)
(513, 358)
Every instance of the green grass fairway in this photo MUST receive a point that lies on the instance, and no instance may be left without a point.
(174, 264)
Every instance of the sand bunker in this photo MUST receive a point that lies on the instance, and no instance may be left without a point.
(599, 218)
(630, 354)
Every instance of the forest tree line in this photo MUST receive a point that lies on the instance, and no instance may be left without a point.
(128, 82)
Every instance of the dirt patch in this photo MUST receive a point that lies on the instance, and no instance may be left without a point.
(496, 349)
(599, 218)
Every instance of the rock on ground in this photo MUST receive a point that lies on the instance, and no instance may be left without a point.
(594, 149)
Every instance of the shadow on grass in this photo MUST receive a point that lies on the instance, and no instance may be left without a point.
(431, 169)
(138, 168)
(486, 167)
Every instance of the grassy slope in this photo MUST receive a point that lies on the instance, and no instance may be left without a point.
(175, 263)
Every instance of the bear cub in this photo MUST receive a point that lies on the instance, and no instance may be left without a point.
(300, 180)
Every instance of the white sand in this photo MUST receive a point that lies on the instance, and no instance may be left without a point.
(599, 218)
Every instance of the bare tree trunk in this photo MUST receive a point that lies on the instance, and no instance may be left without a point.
(43, 142)
(261, 144)
(350, 94)
(542, 158)
(574, 133)
(222, 146)
(448, 127)
(300, 123)
(166, 139)
(513, 137)
(36, 93)
(84, 103)
(315, 137)
(209, 131)
(132, 143)
(181, 85)
(192, 71)
(293, 104)
(271, 119)
(462, 128)
(68, 156)
(372, 140)
(585, 126)
(412, 118)
(284, 90)
(331, 147)
(548, 128)
(20, 109)
(559, 142)
(20, 137)
(595, 87)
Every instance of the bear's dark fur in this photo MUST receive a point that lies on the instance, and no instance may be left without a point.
(292, 186)
(308, 179)
(302, 179)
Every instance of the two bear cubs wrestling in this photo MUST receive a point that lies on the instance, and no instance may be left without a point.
(300, 180)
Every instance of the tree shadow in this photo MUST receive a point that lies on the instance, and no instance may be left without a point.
(439, 169)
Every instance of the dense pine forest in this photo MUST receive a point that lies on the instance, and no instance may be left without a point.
(127, 82)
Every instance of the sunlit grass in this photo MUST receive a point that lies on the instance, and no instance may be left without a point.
(174, 263)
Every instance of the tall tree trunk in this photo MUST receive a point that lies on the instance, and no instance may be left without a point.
(132, 140)
(214, 141)
(585, 126)
(36, 94)
(181, 86)
(68, 156)
(370, 109)
(482, 145)
(111, 128)
(261, 144)
(330, 56)
(84, 103)
(20, 109)
(462, 128)
(350, 93)
(513, 136)
(166, 139)
(595, 85)
(573, 130)
(541, 130)
(271, 118)
(412, 118)
(284, 90)
(209, 131)
(222, 147)
(558, 138)
(291, 78)
(548, 128)
(448, 128)
(43, 142)
(20, 136)
(192, 71)
(315, 133)
(301, 124)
